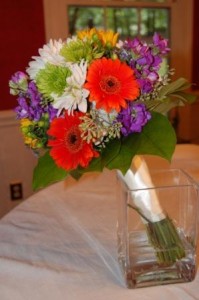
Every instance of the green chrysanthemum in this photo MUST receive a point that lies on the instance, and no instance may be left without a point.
(52, 79)
(77, 50)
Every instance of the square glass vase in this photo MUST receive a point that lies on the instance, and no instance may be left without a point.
(162, 251)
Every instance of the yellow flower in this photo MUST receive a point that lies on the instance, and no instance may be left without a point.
(109, 38)
(25, 122)
(28, 140)
(87, 33)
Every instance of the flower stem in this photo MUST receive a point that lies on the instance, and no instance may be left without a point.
(165, 239)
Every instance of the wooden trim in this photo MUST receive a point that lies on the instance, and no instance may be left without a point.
(8, 118)
(119, 3)
(181, 38)
(56, 19)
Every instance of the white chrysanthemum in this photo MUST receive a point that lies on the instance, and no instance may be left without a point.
(74, 96)
(48, 54)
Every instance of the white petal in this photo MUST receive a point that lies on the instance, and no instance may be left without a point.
(48, 54)
(83, 106)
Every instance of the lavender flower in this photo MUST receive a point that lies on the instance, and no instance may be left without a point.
(145, 85)
(30, 105)
(133, 118)
(51, 111)
(145, 60)
(161, 43)
(18, 77)
(18, 83)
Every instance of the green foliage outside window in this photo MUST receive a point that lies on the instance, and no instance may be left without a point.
(127, 21)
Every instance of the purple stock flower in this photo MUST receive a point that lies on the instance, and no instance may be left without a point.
(18, 77)
(51, 111)
(22, 108)
(18, 83)
(136, 45)
(30, 105)
(161, 43)
(145, 85)
(145, 60)
(133, 118)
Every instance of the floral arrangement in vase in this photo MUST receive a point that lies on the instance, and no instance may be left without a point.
(93, 102)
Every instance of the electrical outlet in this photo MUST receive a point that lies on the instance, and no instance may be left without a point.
(16, 191)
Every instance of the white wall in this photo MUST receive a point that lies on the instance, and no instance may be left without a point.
(16, 161)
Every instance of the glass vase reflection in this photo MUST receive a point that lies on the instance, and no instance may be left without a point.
(164, 251)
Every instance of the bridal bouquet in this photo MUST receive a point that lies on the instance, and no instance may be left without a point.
(93, 102)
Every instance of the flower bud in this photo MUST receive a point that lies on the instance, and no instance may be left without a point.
(114, 56)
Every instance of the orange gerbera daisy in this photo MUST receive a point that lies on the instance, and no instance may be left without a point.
(69, 150)
(111, 83)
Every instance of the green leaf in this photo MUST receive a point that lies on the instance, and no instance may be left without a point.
(157, 138)
(110, 152)
(76, 174)
(178, 98)
(177, 85)
(163, 106)
(127, 151)
(185, 97)
(46, 172)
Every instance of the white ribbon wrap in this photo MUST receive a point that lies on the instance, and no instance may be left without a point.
(145, 199)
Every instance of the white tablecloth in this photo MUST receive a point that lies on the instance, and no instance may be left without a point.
(61, 244)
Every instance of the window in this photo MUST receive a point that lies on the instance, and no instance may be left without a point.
(131, 21)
